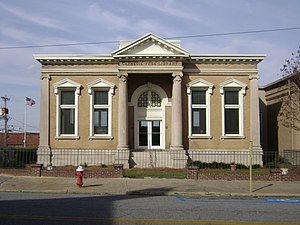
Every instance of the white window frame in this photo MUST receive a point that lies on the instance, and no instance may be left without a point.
(241, 87)
(66, 85)
(206, 86)
(101, 85)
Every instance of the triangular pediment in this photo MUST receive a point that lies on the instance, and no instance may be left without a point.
(151, 45)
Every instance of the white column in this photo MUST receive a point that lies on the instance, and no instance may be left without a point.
(254, 112)
(44, 148)
(176, 138)
(123, 112)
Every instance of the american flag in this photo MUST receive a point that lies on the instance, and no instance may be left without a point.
(30, 101)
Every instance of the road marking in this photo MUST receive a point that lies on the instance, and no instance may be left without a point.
(140, 221)
(280, 200)
(180, 198)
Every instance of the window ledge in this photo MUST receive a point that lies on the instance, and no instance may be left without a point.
(67, 137)
(200, 137)
(101, 137)
(233, 137)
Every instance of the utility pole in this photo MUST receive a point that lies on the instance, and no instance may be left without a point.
(5, 112)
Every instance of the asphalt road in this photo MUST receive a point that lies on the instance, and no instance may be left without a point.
(33, 208)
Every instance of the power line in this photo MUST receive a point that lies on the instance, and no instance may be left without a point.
(237, 33)
(23, 123)
(59, 45)
(181, 37)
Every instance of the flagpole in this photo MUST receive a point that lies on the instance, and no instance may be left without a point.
(24, 128)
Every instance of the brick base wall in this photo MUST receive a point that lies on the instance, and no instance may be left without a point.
(37, 170)
(194, 173)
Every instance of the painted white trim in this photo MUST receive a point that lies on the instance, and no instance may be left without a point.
(80, 70)
(164, 101)
(146, 69)
(101, 84)
(150, 38)
(233, 83)
(66, 84)
(222, 70)
(207, 86)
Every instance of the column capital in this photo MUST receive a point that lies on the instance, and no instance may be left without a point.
(122, 73)
(254, 77)
(177, 74)
(45, 76)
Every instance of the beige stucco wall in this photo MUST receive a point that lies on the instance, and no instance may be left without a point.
(165, 81)
(83, 115)
(216, 142)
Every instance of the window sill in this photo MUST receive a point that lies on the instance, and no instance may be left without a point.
(67, 137)
(101, 137)
(233, 137)
(200, 137)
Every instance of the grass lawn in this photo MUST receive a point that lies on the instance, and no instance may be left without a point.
(238, 171)
(155, 173)
(181, 173)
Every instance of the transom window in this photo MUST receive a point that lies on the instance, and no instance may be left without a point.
(149, 99)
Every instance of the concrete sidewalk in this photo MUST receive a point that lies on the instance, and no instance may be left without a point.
(150, 186)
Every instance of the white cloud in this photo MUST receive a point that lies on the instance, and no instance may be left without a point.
(17, 34)
(98, 14)
(32, 18)
(170, 7)
(37, 22)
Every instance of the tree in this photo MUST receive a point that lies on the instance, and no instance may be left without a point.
(289, 114)
(291, 65)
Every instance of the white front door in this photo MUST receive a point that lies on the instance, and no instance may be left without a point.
(149, 134)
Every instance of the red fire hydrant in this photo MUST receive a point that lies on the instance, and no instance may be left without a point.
(79, 174)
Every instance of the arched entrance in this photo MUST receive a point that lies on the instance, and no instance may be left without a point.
(149, 102)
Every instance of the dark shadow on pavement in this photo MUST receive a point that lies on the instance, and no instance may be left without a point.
(62, 209)
(92, 185)
(269, 185)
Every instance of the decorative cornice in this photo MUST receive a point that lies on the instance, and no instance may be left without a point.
(216, 70)
(74, 59)
(80, 70)
(224, 58)
(151, 68)
(108, 58)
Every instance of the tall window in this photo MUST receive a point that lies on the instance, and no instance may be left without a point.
(199, 109)
(199, 92)
(232, 111)
(101, 92)
(67, 112)
(67, 93)
(233, 92)
(101, 108)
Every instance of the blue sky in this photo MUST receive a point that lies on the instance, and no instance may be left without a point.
(37, 22)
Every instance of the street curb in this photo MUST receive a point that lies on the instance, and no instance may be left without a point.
(161, 193)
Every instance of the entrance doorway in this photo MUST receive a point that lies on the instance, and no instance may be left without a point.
(149, 101)
(149, 134)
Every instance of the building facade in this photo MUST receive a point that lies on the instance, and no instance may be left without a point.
(16, 139)
(280, 112)
(148, 95)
